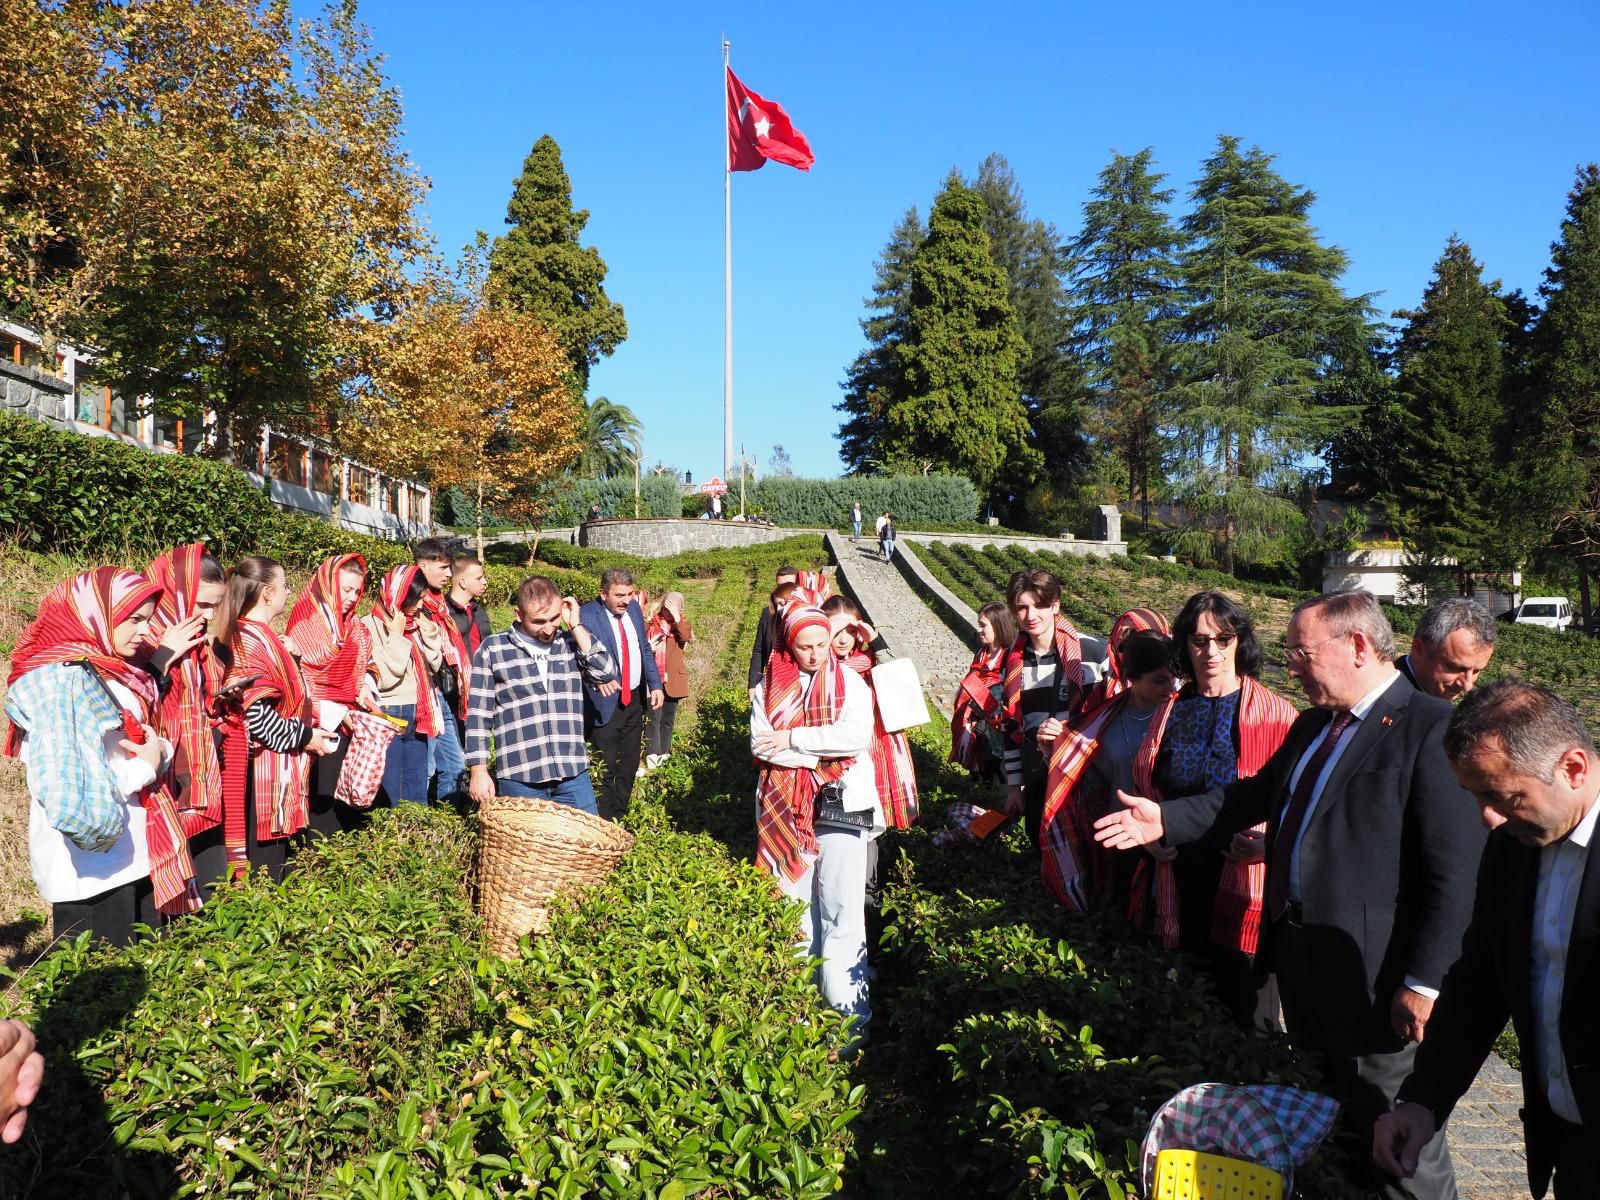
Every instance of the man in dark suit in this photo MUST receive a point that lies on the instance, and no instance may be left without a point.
(1371, 847)
(1532, 951)
(614, 711)
(1453, 643)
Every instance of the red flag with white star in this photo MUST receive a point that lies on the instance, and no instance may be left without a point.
(759, 130)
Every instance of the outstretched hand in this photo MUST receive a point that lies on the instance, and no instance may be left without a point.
(1137, 824)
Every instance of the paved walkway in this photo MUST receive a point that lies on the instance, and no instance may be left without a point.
(893, 608)
(1485, 1132)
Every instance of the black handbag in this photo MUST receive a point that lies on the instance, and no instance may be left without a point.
(831, 814)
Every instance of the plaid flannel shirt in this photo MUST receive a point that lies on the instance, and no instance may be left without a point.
(65, 714)
(533, 717)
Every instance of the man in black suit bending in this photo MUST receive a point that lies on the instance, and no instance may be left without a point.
(1371, 848)
(1532, 951)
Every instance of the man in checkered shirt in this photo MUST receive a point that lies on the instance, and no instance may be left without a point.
(526, 702)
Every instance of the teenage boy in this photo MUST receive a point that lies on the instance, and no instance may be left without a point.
(447, 767)
(616, 709)
(527, 700)
(1041, 679)
(468, 582)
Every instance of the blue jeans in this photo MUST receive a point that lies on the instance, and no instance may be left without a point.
(577, 792)
(445, 757)
(855, 531)
(405, 763)
(888, 549)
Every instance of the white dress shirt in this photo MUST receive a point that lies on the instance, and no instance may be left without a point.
(1561, 868)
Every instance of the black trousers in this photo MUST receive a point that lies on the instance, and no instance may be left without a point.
(661, 723)
(1364, 1083)
(1577, 1172)
(328, 816)
(110, 915)
(1035, 774)
(211, 854)
(618, 743)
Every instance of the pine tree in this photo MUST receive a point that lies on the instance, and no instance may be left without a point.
(1567, 358)
(540, 268)
(962, 355)
(1127, 301)
(1440, 494)
(876, 380)
(1051, 379)
(1268, 333)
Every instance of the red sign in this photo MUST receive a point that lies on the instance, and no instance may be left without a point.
(713, 487)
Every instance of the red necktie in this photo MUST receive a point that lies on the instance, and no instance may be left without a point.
(1294, 817)
(627, 663)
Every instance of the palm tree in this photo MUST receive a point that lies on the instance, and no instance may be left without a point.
(610, 439)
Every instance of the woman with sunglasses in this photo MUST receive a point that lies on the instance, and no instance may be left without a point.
(1221, 725)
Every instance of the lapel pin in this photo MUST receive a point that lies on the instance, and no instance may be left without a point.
(1387, 719)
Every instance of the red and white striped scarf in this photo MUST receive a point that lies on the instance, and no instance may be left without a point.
(74, 625)
(457, 657)
(811, 587)
(391, 593)
(892, 769)
(282, 780)
(975, 701)
(1135, 620)
(1264, 720)
(335, 648)
(194, 780)
(1069, 656)
(786, 796)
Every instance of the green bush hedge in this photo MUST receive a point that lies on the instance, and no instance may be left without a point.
(659, 496)
(340, 1035)
(914, 500)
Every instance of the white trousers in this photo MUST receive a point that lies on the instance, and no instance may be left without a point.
(834, 924)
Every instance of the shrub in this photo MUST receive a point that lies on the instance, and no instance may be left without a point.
(825, 503)
(659, 496)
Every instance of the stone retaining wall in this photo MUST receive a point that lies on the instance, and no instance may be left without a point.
(1053, 545)
(29, 392)
(665, 536)
(954, 611)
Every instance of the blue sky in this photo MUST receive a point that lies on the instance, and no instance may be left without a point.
(1409, 120)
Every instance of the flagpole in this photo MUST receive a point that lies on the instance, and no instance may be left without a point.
(727, 272)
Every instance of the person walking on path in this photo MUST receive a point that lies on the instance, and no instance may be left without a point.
(616, 709)
(886, 537)
(855, 522)
(669, 632)
(1371, 850)
(527, 702)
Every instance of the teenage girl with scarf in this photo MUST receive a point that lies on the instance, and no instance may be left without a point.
(977, 703)
(408, 649)
(104, 841)
(270, 733)
(811, 735)
(335, 652)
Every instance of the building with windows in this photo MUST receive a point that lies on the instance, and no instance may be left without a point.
(301, 473)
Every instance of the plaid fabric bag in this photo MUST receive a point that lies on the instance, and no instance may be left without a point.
(1272, 1126)
(362, 771)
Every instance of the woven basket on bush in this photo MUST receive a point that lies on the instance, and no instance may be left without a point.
(532, 849)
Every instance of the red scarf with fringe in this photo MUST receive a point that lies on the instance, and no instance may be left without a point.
(74, 625)
(281, 780)
(195, 778)
(1069, 656)
(786, 796)
(391, 593)
(457, 657)
(335, 648)
(1264, 719)
(975, 702)
(1135, 620)
(892, 769)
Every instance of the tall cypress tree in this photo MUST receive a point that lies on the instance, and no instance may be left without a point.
(539, 267)
(876, 380)
(1051, 379)
(1440, 493)
(1267, 334)
(1567, 356)
(1127, 303)
(962, 356)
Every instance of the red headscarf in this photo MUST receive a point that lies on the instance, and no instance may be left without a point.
(335, 648)
(391, 594)
(975, 698)
(786, 796)
(195, 780)
(74, 625)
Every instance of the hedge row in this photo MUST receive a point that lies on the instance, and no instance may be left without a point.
(915, 500)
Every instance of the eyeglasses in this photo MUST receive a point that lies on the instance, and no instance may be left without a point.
(1200, 641)
(1300, 655)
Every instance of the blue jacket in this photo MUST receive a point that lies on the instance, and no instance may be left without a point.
(597, 619)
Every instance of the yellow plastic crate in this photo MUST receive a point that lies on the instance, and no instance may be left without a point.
(1191, 1175)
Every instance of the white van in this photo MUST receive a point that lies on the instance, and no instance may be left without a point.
(1551, 612)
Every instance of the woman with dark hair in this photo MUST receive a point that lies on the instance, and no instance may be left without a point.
(974, 724)
(269, 733)
(1094, 756)
(1220, 726)
(406, 652)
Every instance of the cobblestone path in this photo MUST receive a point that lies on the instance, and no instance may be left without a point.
(1485, 1132)
(894, 609)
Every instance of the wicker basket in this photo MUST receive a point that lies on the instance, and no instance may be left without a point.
(531, 849)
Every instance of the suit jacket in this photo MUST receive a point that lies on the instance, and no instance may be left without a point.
(597, 619)
(1387, 859)
(1493, 980)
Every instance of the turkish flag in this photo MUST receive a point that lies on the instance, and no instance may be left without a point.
(759, 129)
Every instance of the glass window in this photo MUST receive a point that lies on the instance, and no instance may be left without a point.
(1538, 610)
(324, 473)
